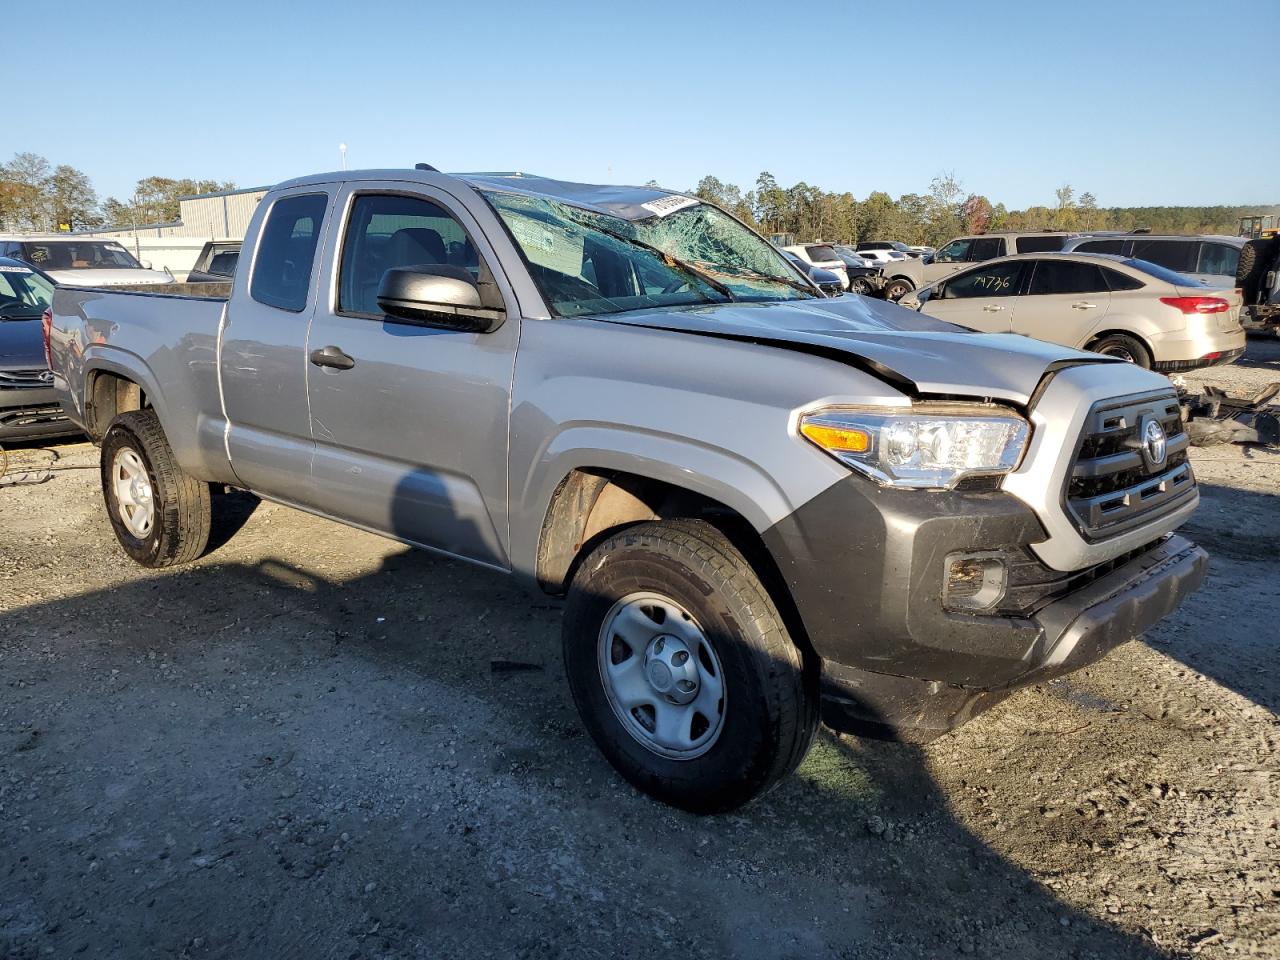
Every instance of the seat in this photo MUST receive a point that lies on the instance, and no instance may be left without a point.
(411, 245)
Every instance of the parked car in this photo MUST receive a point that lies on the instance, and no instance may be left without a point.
(82, 262)
(952, 256)
(28, 405)
(1112, 305)
(1258, 278)
(882, 256)
(216, 262)
(1209, 260)
(828, 282)
(823, 256)
(763, 505)
(865, 277)
(892, 246)
(899, 276)
(923, 250)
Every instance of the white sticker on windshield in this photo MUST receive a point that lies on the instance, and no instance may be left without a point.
(115, 247)
(4, 269)
(669, 204)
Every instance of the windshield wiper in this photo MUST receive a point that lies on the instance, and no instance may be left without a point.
(686, 268)
(767, 277)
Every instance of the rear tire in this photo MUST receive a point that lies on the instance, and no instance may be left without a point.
(160, 514)
(1123, 346)
(653, 596)
(895, 290)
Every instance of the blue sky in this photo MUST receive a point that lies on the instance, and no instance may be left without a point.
(1138, 102)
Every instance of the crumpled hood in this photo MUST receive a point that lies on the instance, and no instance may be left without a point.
(107, 278)
(21, 345)
(924, 355)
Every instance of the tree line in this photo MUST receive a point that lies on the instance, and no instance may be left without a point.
(38, 196)
(945, 211)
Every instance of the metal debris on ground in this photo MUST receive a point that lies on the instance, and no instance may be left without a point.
(1215, 416)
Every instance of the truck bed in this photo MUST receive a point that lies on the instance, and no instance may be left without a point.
(166, 338)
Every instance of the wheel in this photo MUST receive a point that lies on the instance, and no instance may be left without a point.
(682, 669)
(895, 290)
(1123, 346)
(860, 286)
(160, 514)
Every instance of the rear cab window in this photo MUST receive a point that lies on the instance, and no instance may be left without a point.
(286, 254)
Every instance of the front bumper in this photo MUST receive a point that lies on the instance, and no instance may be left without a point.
(30, 413)
(1076, 630)
(867, 580)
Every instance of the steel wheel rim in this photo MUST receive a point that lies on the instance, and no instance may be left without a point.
(1118, 351)
(131, 484)
(662, 676)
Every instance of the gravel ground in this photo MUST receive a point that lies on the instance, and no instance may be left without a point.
(298, 747)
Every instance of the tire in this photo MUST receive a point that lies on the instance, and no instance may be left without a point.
(860, 286)
(1255, 258)
(177, 504)
(895, 290)
(1123, 346)
(760, 727)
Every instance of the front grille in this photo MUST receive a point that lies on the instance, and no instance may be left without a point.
(24, 379)
(1114, 485)
(29, 416)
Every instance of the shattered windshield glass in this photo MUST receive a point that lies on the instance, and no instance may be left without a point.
(586, 262)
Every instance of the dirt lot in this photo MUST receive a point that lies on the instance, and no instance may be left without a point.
(298, 747)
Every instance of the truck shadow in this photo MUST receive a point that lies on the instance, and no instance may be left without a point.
(540, 849)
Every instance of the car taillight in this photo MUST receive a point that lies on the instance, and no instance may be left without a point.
(1197, 304)
(46, 327)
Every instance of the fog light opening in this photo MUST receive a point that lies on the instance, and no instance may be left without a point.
(974, 581)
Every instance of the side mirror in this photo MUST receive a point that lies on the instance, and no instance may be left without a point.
(437, 295)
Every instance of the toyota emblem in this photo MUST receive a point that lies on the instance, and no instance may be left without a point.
(1154, 442)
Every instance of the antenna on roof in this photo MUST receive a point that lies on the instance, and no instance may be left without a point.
(425, 166)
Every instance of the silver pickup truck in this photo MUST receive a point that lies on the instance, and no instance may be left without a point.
(764, 506)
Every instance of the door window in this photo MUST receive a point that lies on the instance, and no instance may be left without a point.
(985, 248)
(1101, 246)
(389, 230)
(957, 251)
(1220, 259)
(1121, 281)
(1049, 244)
(287, 251)
(997, 280)
(1055, 277)
(1177, 255)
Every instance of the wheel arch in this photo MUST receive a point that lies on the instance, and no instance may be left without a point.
(590, 504)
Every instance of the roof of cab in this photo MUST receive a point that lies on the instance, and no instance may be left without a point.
(629, 203)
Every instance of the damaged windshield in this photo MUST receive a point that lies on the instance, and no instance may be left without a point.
(586, 262)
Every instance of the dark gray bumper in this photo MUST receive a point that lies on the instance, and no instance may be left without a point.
(1075, 630)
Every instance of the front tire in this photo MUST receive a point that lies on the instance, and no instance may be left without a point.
(682, 669)
(160, 514)
(860, 286)
(895, 290)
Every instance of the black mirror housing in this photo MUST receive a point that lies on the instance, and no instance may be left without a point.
(437, 295)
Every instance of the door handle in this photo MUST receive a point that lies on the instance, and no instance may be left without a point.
(332, 356)
(993, 308)
(1083, 305)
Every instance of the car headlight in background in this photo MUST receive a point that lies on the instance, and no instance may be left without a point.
(924, 447)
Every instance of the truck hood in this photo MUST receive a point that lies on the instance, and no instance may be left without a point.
(108, 278)
(915, 352)
(21, 345)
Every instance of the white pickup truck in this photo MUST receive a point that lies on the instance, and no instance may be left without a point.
(763, 505)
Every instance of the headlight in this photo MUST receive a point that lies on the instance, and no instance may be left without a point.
(926, 447)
